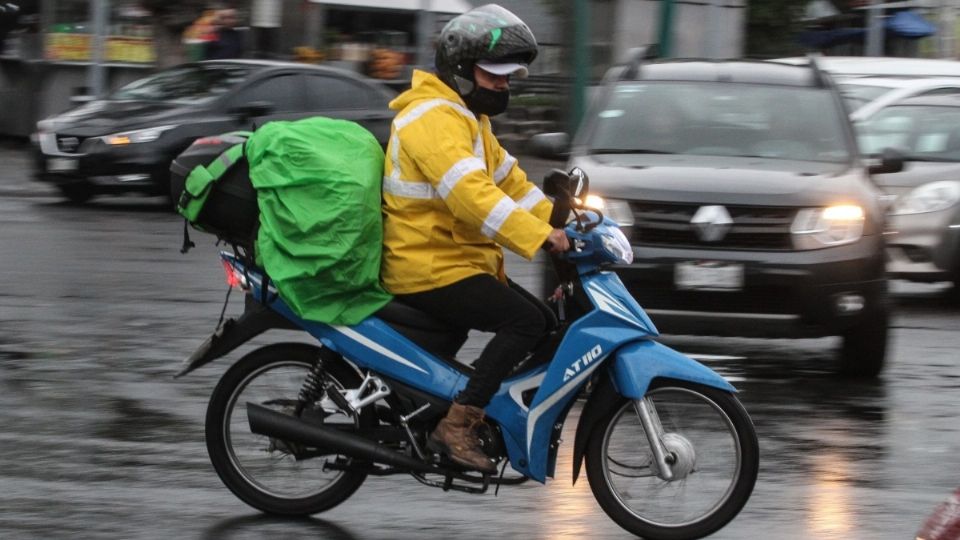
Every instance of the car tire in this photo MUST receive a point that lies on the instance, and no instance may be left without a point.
(864, 349)
(78, 192)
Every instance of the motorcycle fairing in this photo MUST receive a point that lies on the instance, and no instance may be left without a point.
(588, 343)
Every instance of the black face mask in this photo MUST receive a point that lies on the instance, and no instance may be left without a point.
(488, 102)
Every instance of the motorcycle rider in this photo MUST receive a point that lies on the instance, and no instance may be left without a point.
(452, 196)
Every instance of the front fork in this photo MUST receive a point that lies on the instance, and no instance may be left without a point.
(653, 429)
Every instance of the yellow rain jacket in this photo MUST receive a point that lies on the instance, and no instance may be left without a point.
(451, 194)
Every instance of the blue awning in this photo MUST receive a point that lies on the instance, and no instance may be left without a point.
(910, 24)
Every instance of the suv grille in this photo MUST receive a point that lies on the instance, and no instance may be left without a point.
(766, 299)
(68, 143)
(754, 227)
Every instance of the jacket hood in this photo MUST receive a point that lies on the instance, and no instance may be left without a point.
(425, 85)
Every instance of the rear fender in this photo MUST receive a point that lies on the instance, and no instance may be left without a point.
(256, 319)
(629, 375)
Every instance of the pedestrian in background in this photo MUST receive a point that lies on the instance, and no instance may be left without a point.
(228, 41)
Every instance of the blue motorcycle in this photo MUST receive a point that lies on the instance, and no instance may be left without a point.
(295, 428)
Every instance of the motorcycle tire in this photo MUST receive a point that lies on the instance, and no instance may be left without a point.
(294, 493)
(693, 417)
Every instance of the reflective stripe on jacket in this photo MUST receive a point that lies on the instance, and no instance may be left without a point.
(451, 194)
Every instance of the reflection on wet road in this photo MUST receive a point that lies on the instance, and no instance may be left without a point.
(98, 306)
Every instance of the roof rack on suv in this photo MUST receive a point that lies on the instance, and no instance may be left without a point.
(635, 57)
(819, 77)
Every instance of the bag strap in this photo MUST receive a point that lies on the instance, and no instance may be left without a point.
(187, 243)
(214, 170)
(226, 160)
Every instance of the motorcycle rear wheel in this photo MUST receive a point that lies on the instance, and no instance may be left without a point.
(716, 458)
(262, 471)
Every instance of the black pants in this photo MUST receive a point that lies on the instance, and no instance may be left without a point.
(484, 303)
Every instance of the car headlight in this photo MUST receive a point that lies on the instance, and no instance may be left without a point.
(614, 209)
(136, 136)
(930, 197)
(831, 226)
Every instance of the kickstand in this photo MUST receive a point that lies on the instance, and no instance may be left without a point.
(447, 482)
(500, 479)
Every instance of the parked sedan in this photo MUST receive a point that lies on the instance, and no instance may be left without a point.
(126, 141)
(923, 236)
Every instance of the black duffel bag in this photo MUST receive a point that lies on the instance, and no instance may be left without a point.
(210, 186)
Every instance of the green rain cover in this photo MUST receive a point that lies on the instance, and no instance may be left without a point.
(321, 235)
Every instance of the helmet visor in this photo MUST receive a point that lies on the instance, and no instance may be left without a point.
(504, 68)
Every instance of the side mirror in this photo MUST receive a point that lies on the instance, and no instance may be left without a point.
(252, 109)
(562, 184)
(891, 161)
(550, 145)
(579, 183)
(556, 183)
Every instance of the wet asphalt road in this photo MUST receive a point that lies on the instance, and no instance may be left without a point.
(97, 308)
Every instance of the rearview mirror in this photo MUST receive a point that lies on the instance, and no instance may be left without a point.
(562, 184)
(579, 183)
(891, 161)
(550, 145)
(556, 183)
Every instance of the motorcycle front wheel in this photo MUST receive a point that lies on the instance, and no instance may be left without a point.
(712, 450)
(265, 472)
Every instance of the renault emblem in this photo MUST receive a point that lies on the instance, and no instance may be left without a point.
(711, 223)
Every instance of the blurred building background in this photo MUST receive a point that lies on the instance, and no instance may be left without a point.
(54, 53)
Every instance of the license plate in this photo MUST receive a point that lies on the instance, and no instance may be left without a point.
(61, 164)
(708, 275)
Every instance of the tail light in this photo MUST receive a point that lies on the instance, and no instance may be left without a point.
(234, 277)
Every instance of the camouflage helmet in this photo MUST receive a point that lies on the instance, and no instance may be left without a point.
(488, 32)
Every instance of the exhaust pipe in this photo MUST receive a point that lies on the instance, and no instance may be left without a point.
(264, 421)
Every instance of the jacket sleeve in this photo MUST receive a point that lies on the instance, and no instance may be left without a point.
(441, 144)
(510, 178)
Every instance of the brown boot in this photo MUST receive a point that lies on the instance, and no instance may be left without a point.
(454, 436)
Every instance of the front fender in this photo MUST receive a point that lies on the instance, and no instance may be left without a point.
(629, 376)
(640, 362)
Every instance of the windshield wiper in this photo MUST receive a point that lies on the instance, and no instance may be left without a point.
(626, 151)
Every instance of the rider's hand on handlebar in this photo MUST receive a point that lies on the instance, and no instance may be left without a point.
(557, 241)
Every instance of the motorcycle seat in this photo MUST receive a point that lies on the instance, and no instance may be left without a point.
(434, 336)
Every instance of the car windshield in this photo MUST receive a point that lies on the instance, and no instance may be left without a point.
(187, 84)
(921, 132)
(720, 119)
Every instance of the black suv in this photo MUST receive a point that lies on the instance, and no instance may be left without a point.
(742, 191)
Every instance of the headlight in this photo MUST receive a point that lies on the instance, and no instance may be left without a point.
(831, 226)
(137, 136)
(928, 198)
(617, 244)
(614, 209)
